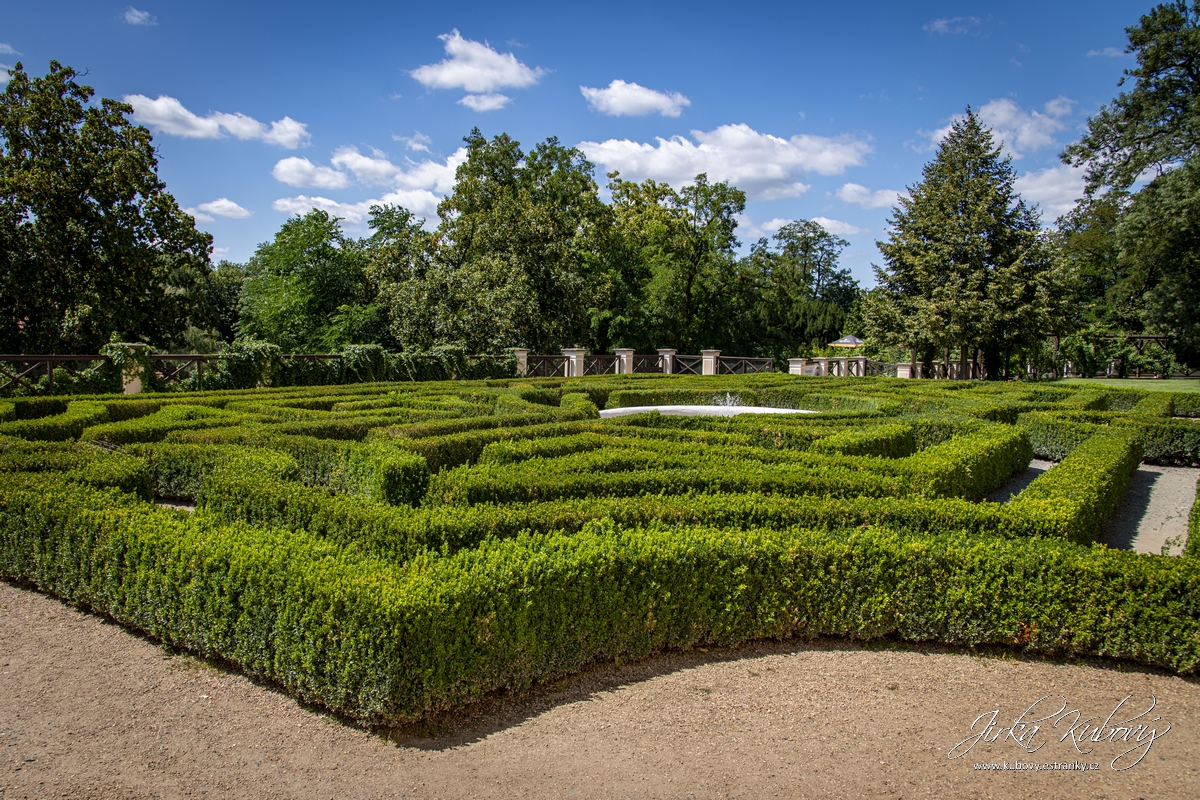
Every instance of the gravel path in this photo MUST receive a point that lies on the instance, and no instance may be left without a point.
(1155, 508)
(89, 710)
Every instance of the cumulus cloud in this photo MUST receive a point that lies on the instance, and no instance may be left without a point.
(766, 167)
(1055, 189)
(136, 17)
(418, 141)
(1108, 52)
(221, 207)
(421, 202)
(862, 196)
(623, 99)
(168, 115)
(491, 101)
(478, 69)
(952, 25)
(1020, 131)
(418, 186)
(837, 227)
(296, 171)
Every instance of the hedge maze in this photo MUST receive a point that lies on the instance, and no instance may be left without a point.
(389, 550)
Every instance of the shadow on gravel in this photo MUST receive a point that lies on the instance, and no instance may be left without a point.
(499, 712)
(1123, 527)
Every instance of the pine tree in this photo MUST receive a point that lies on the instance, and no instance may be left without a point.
(966, 267)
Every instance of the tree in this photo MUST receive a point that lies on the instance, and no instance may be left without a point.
(516, 261)
(803, 293)
(1157, 123)
(1159, 238)
(89, 236)
(686, 243)
(307, 291)
(966, 265)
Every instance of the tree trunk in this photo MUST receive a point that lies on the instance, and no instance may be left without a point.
(963, 364)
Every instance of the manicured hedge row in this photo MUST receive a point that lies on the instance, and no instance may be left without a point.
(381, 644)
(894, 440)
(155, 427)
(1167, 441)
(70, 424)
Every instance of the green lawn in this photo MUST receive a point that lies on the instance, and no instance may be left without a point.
(1145, 384)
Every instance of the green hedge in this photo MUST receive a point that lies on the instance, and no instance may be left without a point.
(382, 643)
(70, 424)
(1192, 546)
(894, 440)
(1086, 488)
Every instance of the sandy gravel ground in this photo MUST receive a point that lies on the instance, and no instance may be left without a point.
(89, 710)
(1155, 508)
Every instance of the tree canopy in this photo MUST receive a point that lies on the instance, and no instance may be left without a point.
(966, 266)
(90, 240)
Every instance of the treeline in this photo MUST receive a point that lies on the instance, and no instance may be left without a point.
(527, 254)
(524, 253)
(529, 251)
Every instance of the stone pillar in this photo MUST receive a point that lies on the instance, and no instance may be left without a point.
(668, 361)
(796, 366)
(624, 360)
(522, 362)
(842, 363)
(574, 361)
(133, 371)
(904, 371)
(710, 365)
(918, 369)
(860, 366)
(822, 367)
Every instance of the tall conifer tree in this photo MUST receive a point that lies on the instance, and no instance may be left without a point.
(965, 268)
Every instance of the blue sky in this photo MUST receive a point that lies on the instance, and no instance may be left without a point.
(817, 110)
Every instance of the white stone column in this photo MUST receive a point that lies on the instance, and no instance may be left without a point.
(522, 362)
(904, 371)
(841, 370)
(860, 366)
(624, 360)
(822, 367)
(574, 361)
(918, 369)
(132, 372)
(710, 362)
(796, 366)
(668, 361)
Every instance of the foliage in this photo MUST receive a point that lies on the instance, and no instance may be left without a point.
(90, 241)
(965, 265)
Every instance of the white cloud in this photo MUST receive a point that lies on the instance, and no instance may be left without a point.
(862, 196)
(475, 67)
(952, 25)
(623, 99)
(417, 142)
(1055, 189)
(766, 167)
(168, 115)
(837, 227)
(492, 101)
(1020, 131)
(421, 202)
(4, 76)
(1107, 52)
(7, 50)
(224, 207)
(135, 17)
(296, 171)
(418, 186)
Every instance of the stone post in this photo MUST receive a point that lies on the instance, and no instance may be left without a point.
(710, 365)
(860, 366)
(624, 360)
(574, 361)
(822, 367)
(796, 366)
(668, 361)
(918, 369)
(904, 371)
(842, 363)
(522, 362)
(133, 371)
